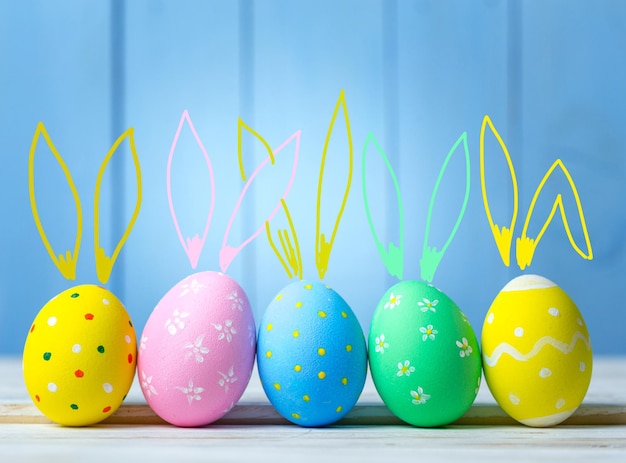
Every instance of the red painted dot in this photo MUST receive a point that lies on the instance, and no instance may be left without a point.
(37, 398)
(32, 328)
(88, 316)
(130, 358)
(79, 373)
(106, 409)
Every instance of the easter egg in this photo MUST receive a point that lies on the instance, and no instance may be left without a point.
(311, 354)
(536, 352)
(196, 351)
(424, 357)
(79, 356)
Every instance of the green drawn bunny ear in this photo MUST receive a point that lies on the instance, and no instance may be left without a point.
(431, 257)
(323, 246)
(525, 246)
(104, 263)
(65, 262)
(393, 256)
(503, 236)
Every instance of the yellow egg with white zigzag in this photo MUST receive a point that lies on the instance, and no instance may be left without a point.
(536, 350)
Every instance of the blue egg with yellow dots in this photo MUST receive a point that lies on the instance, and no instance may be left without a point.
(311, 354)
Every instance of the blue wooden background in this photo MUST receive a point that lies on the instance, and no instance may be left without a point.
(416, 74)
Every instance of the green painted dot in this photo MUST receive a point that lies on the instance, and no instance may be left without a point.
(74, 407)
(75, 295)
(47, 356)
(101, 349)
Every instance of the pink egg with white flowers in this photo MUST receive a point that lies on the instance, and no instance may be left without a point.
(197, 350)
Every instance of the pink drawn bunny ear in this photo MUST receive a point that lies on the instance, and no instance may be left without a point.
(193, 246)
(227, 252)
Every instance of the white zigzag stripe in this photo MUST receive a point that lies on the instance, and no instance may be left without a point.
(506, 348)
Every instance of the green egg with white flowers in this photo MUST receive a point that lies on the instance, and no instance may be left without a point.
(424, 356)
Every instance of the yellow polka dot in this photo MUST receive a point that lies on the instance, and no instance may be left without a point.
(322, 314)
(277, 386)
(279, 297)
(339, 408)
(268, 354)
(296, 333)
(321, 351)
(344, 315)
(344, 381)
(327, 287)
(321, 375)
(306, 398)
(298, 368)
(296, 416)
(349, 348)
(298, 304)
(269, 327)
(308, 286)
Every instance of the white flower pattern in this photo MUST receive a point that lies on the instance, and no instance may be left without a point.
(394, 301)
(428, 332)
(419, 397)
(194, 287)
(227, 378)
(466, 349)
(196, 349)
(192, 392)
(427, 305)
(405, 369)
(227, 330)
(142, 343)
(381, 345)
(177, 323)
(236, 300)
(147, 386)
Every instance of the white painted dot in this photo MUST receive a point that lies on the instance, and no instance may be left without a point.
(127, 339)
(554, 311)
(107, 388)
(545, 373)
(519, 332)
(52, 321)
(105, 301)
(582, 366)
(52, 387)
(76, 348)
(490, 318)
(514, 399)
(580, 322)
(560, 403)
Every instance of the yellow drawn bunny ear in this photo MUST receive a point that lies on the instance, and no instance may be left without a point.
(323, 246)
(525, 246)
(292, 260)
(104, 263)
(65, 262)
(502, 235)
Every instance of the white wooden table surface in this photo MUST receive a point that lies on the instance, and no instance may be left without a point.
(253, 431)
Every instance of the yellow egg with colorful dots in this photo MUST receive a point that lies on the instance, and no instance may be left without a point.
(311, 354)
(537, 355)
(79, 356)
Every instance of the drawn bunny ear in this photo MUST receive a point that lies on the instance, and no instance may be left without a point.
(323, 246)
(227, 252)
(431, 257)
(525, 246)
(105, 263)
(65, 262)
(292, 262)
(192, 246)
(392, 255)
(502, 236)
